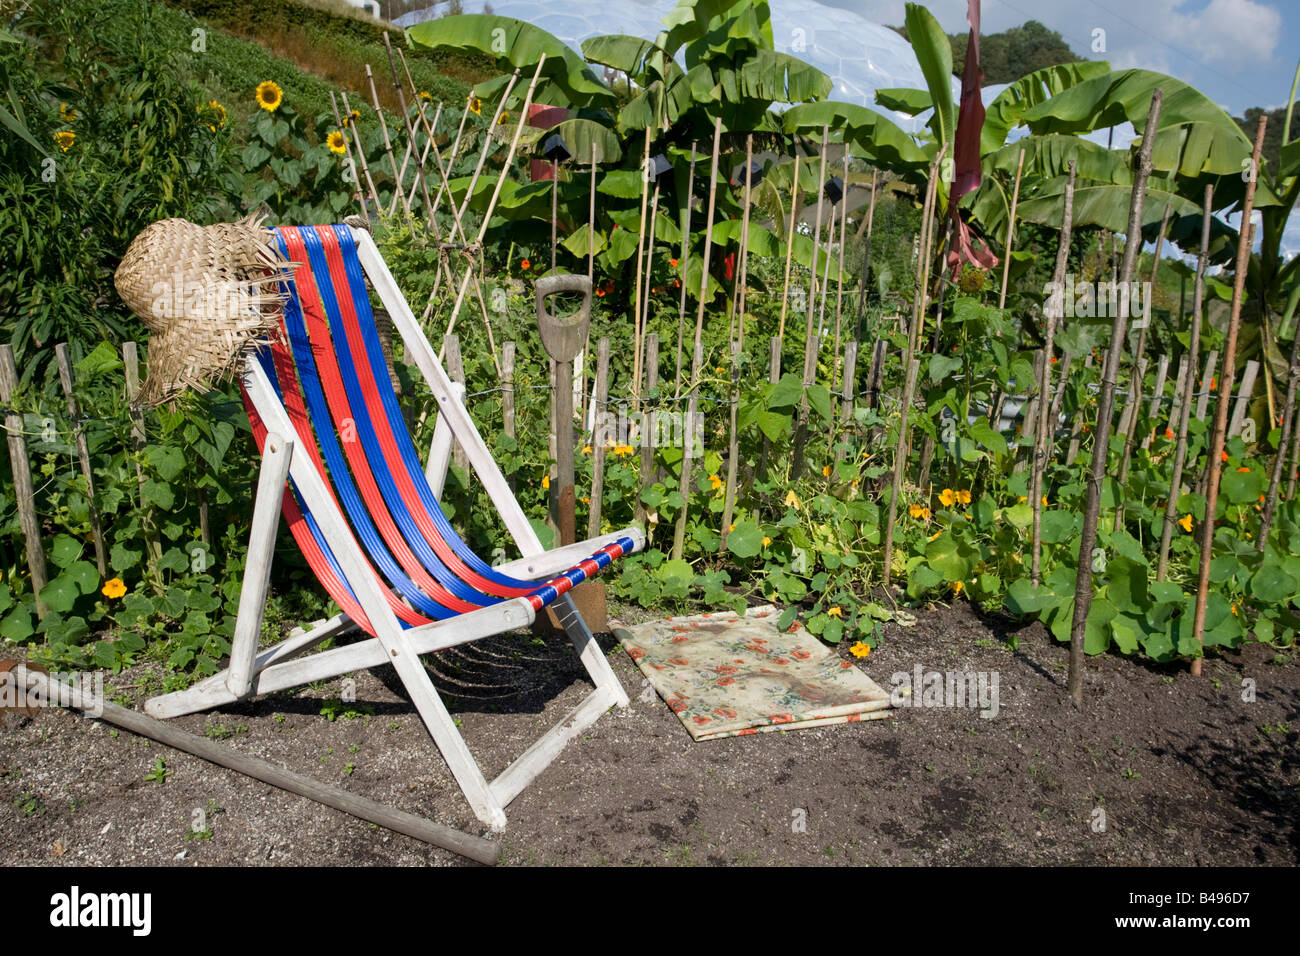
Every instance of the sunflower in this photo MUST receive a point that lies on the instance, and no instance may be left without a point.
(67, 113)
(219, 110)
(269, 95)
(503, 119)
(356, 115)
(337, 142)
(475, 105)
(65, 138)
(113, 588)
(424, 95)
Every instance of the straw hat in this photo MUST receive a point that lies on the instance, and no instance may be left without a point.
(206, 293)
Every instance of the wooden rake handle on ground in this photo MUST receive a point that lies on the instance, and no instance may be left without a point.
(465, 844)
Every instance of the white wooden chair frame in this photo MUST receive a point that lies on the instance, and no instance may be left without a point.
(276, 668)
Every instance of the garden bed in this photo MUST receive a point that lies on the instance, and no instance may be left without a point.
(1186, 772)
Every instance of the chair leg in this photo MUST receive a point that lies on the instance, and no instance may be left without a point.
(442, 728)
(257, 566)
(584, 642)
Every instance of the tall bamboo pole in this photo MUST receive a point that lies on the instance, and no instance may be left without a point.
(1219, 435)
(737, 349)
(1046, 420)
(789, 246)
(388, 143)
(697, 358)
(353, 169)
(1105, 409)
(361, 152)
(839, 279)
(900, 465)
(686, 251)
(637, 331)
(410, 130)
(809, 349)
(1011, 231)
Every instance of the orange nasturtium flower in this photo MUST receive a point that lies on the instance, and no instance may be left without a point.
(1186, 522)
(269, 95)
(963, 497)
(766, 541)
(956, 587)
(546, 481)
(1225, 455)
(1243, 469)
(948, 497)
(836, 611)
(673, 263)
(860, 650)
(715, 481)
(113, 588)
(525, 264)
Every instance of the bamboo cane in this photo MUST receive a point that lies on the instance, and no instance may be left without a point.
(361, 152)
(686, 251)
(388, 143)
(1218, 436)
(1047, 420)
(737, 349)
(839, 279)
(637, 331)
(1011, 231)
(809, 350)
(352, 163)
(789, 247)
(697, 359)
(1105, 409)
(900, 464)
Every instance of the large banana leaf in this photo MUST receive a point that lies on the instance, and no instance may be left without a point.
(1101, 204)
(874, 135)
(515, 44)
(1213, 147)
(582, 135)
(781, 78)
(934, 53)
(1005, 112)
(1049, 156)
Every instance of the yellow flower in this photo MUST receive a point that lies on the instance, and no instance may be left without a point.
(586, 449)
(219, 110)
(424, 95)
(337, 142)
(67, 113)
(948, 497)
(826, 471)
(623, 450)
(65, 138)
(1044, 501)
(956, 587)
(935, 535)
(1186, 522)
(504, 117)
(113, 588)
(269, 95)
(963, 497)
(835, 611)
(546, 481)
(1234, 610)
(715, 481)
(860, 650)
(356, 115)
(915, 511)
(475, 105)
(731, 527)
(1021, 499)
(792, 500)
(766, 542)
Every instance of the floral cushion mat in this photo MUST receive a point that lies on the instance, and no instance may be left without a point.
(726, 675)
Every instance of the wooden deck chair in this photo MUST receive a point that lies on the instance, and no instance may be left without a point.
(364, 513)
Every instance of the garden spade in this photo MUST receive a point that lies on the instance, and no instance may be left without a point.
(563, 337)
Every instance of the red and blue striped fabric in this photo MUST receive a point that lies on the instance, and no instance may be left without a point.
(330, 373)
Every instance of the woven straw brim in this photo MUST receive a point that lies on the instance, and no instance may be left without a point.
(207, 293)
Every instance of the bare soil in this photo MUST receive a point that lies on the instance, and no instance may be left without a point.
(1158, 768)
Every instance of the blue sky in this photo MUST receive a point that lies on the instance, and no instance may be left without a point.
(1240, 53)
